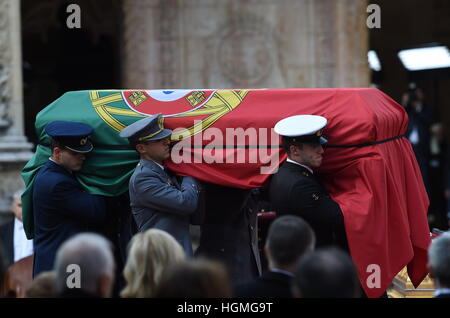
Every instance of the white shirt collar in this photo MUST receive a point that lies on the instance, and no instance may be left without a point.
(22, 246)
(295, 162)
(161, 166)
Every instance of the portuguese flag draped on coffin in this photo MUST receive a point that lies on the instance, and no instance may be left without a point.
(369, 168)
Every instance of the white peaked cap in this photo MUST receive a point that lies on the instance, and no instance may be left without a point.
(300, 125)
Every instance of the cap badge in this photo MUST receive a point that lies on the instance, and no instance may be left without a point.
(161, 122)
(83, 141)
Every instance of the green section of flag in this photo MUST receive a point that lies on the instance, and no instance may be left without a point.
(107, 168)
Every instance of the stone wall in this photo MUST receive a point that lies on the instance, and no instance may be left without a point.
(203, 44)
(252, 43)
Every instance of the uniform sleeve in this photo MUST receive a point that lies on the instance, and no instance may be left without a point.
(319, 208)
(79, 204)
(152, 192)
(313, 204)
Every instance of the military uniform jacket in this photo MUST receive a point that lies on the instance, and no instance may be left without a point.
(159, 201)
(295, 190)
(62, 208)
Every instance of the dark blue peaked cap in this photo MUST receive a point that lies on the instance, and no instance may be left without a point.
(72, 135)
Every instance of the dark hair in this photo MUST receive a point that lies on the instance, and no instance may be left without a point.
(289, 238)
(198, 278)
(287, 142)
(326, 273)
(56, 143)
(134, 143)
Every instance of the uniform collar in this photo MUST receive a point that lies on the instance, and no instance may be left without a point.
(296, 163)
(151, 164)
(281, 271)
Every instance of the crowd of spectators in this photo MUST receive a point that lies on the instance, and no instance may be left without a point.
(157, 267)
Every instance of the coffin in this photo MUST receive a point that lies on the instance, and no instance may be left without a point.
(226, 137)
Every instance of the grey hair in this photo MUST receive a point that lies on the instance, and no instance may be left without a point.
(18, 194)
(439, 259)
(92, 253)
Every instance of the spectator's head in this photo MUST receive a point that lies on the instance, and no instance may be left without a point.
(85, 262)
(439, 260)
(200, 278)
(289, 237)
(150, 253)
(16, 206)
(42, 286)
(326, 273)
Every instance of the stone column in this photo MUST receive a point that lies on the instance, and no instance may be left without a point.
(244, 43)
(15, 151)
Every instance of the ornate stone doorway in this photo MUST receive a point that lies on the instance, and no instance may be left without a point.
(57, 59)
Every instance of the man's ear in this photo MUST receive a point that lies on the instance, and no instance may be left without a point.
(56, 151)
(140, 148)
(293, 150)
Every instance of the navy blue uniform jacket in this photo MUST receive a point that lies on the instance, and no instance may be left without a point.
(294, 190)
(62, 208)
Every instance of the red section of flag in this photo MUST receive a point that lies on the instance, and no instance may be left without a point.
(379, 187)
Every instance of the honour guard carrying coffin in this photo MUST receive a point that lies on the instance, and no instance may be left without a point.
(62, 208)
(158, 200)
(294, 188)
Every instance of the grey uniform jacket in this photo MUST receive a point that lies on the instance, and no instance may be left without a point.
(158, 201)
